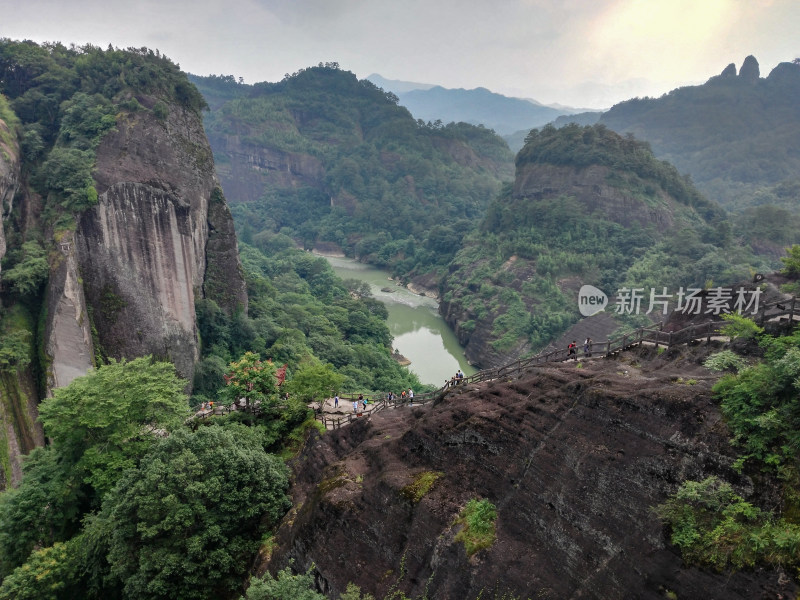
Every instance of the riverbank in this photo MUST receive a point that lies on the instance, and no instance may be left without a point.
(420, 334)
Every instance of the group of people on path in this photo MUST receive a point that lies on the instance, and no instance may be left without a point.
(455, 379)
(362, 402)
(572, 349)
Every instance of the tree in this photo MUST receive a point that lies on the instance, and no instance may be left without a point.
(791, 261)
(284, 586)
(44, 509)
(314, 380)
(252, 379)
(28, 275)
(187, 522)
(49, 574)
(104, 422)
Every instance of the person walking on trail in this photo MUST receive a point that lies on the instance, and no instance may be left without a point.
(587, 347)
(411, 396)
(362, 400)
(355, 406)
(572, 351)
(336, 401)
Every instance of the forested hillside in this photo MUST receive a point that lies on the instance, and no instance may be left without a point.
(737, 135)
(587, 206)
(324, 157)
(122, 291)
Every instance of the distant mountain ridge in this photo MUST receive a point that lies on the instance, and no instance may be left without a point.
(480, 106)
(736, 135)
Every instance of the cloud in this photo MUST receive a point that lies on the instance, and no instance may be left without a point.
(535, 48)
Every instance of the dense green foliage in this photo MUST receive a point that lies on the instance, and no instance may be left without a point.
(187, 521)
(105, 421)
(762, 404)
(301, 314)
(477, 521)
(506, 277)
(129, 502)
(734, 135)
(791, 262)
(712, 525)
(285, 586)
(709, 522)
(395, 192)
(100, 425)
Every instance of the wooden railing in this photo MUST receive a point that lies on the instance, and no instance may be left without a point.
(655, 335)
(775, 312)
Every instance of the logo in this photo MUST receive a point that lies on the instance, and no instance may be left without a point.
(591, 300)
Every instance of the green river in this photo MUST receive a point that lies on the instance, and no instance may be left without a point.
(420, 333)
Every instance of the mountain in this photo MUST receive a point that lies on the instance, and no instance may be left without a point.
(478, 107)
(396, 86)
(113, 221)
(586, 206)
(503, 114)
(736, 135)
(329, 159)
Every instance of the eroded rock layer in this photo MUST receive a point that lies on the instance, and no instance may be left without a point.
(574, 461)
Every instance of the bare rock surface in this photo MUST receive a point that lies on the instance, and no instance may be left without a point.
(573, 458)
(159, 230)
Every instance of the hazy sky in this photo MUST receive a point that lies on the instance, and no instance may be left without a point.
(588, 53)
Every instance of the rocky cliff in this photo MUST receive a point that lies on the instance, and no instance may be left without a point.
(9, 177)
(587, 206)
(19, 431)
(574, 461)
(124, 278)
(159, 231)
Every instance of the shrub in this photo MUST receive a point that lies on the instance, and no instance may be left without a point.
(740, 327)
(726, 360)
(478, 525)
(712, 525)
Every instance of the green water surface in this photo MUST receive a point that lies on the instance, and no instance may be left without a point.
(420, 333)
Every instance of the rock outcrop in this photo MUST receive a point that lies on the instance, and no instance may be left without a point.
(252, 168)
(145, 250)
(574, 461)
(9, 177)
(19, 430)
(750, 70)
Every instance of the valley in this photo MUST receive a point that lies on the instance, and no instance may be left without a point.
(169, 241)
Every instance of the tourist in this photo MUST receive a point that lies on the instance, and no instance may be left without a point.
(587, 347)
(336, 401)
(355, 406)
(411, 396)
(572, 351)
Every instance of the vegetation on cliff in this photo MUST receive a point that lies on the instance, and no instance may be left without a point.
(709, 521)
(132, 502)
(511, 280)
(302, 315)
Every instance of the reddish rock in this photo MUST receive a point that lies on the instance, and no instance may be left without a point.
(574, 460)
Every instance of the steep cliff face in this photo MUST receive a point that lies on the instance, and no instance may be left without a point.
(143, 251)
(574, 461)
(251, 168)
(596, 195)
(9, 177)
(19, 431)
